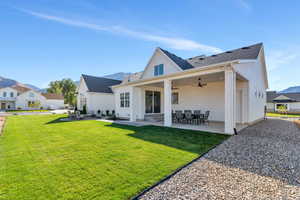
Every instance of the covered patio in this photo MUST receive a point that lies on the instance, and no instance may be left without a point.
(221, 91)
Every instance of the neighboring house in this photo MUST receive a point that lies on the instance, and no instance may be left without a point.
(96, 94)
(22, 98)
(231, 85)
(289, 101)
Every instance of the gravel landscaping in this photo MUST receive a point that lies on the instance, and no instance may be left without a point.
(262, 162)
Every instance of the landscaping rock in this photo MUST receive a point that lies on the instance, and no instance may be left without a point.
(261, 162)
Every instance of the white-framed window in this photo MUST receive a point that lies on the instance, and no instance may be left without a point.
(122, 100)
(82, 101)
(4, 94)
(31, 94)
(11, 94)
(175, 98)
(125, 100)
(159, 70)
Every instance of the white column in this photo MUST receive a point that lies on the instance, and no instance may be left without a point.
(167, 103)
(230, 100)
(132, 102)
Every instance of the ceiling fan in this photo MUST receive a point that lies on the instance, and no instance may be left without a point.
(200, 83)
(174, 88)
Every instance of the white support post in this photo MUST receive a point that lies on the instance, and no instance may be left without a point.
(230, 100)
(167, 103)
(132, 105)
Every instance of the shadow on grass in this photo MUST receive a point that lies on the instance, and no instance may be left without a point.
(60, 120)
(188, 140)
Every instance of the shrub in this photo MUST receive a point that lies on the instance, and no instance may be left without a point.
(84, 110)
(107, 112)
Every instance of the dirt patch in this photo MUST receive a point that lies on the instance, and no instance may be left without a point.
(297, 123)
(2, 121)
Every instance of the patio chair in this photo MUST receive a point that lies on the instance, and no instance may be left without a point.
(189, 117)
(197, 114)
(178, 116)
(78, 116)
(187, 113)
(206, 115)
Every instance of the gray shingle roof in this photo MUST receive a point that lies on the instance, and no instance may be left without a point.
(99, 84)
(249, 52)
(271, 95)
(183, 64)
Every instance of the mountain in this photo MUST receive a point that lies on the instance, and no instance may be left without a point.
(6, 82)
(118, 76)
(32, 87)
(291, 90)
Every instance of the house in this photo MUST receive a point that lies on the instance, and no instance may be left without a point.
(289, 101)
(231, 85)
(22, 98)
(96, 94)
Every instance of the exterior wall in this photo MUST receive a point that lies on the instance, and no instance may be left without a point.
(54, 103)
(22, 100)
(292, 107)
(82, 91)
(210, 97)
(125, 111)
(8, 101)
(160, 58)
(253, 72)
(95, 101)
(270, 107)
(100, 101)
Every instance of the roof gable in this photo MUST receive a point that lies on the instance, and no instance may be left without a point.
(99, 84)
(159, 57)
(244, 53)
(282, 97)
(272, 96)
(183, 64)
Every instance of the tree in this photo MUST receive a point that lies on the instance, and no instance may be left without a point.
(66, 87)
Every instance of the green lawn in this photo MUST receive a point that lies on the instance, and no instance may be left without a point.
(43, 158)
(12, 111)
(282, 115)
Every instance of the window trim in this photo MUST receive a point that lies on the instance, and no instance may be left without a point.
(159, 70)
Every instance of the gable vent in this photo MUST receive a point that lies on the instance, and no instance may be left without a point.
(213, 55)
(228, 52)
(245, 48)
(201, 58)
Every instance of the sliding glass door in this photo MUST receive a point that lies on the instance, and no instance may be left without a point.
(152, 102)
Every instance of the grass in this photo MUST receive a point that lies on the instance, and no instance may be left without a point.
(27, 111)
(44, 158)
(282, 115)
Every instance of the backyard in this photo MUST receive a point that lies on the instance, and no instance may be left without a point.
(44, 158)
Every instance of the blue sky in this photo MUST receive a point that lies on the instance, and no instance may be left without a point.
(45, 40)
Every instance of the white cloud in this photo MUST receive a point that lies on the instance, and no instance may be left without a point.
(244, 4)
(172, 42)
(281, 58)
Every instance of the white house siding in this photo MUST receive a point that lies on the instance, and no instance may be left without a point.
(122, 112)
(210, 97)
(95, 101)
(22, 100)
(294, 107)
(253, 72)
(270, 107)
(159, 58)
(100, 101)
(54, 103)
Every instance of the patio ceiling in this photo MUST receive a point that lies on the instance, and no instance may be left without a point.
(208, 78)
